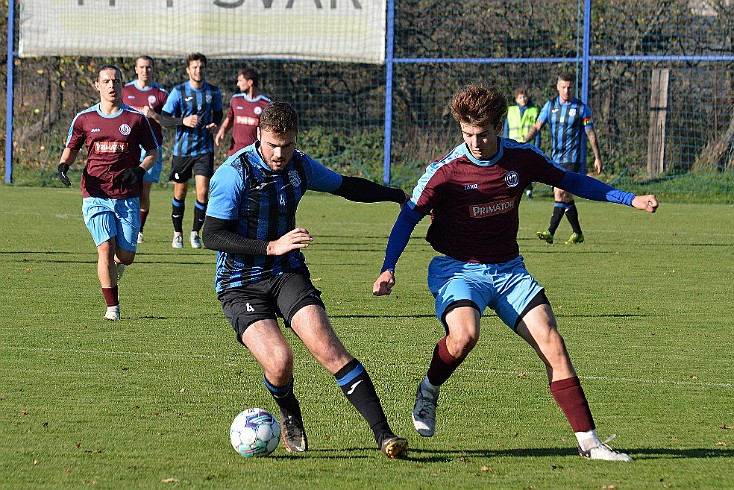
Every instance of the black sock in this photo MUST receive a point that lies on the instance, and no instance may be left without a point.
(199, 215)
(177, 214)
(359, 390)
(572, 215)
(558, 209)
(284, 397)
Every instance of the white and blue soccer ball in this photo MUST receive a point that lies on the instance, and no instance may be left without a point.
(254, 433)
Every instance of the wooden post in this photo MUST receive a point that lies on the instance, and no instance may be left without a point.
(658, 111)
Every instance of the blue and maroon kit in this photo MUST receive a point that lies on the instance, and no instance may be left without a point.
(473, 203)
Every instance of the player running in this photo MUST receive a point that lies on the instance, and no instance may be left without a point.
(112, 179)
(262, 274)
(472, 195)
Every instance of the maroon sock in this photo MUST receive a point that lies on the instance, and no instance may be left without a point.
(110, 296)
(443, 364)
(143, 217)
(570, 397)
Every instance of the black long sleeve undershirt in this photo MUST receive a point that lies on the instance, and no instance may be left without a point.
(220, 235)
(363, 190)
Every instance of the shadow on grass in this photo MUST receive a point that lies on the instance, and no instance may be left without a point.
(444, 456)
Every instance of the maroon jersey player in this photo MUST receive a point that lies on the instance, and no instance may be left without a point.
(112, 179)
(244, 112)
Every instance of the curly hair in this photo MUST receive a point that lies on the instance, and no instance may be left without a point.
(479, 105)
(279, 117)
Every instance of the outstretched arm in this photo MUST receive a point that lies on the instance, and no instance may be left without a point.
(363, 190)
(399, 236)
(596, 190)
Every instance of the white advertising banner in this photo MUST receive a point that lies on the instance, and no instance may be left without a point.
(333, 30)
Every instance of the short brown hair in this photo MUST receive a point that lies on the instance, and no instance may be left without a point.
(250, 74)
(279, 117)
(195, 57)
(520, 91)
(565, 76)
(479, 105)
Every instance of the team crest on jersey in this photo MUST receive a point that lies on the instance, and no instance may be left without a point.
(151, 99)
(124, 129)
(512, 179)
(294, 178)
(258, 110)
(572, 112)
(208, 98)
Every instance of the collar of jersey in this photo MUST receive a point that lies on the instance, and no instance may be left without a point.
(482, 163)
(108, 116)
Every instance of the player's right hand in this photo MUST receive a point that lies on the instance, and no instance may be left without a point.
(63, 177)
(294, 239)
(384, 284)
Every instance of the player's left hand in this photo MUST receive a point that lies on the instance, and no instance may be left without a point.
(647, 203)
(213, 128)
(132, 175)
(384, 284)
(598, 166)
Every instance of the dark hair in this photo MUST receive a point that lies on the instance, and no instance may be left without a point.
(250, 74)
(110, 67)
(565, 76)
(479, 105)
(520, 91)
(279, 118)
(195, 57)
(146, 58)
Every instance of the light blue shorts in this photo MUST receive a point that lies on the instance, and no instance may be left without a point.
(507, 287)
(154, 173)
(107, 218)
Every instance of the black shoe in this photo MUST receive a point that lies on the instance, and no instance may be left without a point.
(292, 432)
(394, 447)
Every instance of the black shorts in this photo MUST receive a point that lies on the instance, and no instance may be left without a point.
(575, 167)
(183, 167)
(280, 296)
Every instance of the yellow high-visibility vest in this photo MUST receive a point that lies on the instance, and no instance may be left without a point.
(519, 126)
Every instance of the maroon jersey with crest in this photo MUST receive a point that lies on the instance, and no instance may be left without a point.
(154, 97)
(244, 113)
(474, 203)
(113, 144)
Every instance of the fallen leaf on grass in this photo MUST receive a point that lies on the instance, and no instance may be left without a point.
(169, 480)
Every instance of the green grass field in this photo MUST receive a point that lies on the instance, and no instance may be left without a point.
(645, 306)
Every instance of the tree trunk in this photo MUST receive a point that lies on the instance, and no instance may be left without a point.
(719, 154)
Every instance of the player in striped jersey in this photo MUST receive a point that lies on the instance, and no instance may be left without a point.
(195, 108)
(146, 96)
(244, 112)
(570, 124)
(472, 195)
(112, 180)
(262, 273)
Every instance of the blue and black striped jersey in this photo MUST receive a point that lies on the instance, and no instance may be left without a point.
(264, 204)
(568, 123)
(186, 101)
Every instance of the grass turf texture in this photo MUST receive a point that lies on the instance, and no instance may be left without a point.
(644, 305)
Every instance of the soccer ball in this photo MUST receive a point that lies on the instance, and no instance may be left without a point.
(254, 432)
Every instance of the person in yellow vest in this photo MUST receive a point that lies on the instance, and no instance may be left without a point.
(520, 118)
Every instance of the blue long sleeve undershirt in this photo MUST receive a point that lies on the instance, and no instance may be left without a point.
(577, 184)
(596, 190)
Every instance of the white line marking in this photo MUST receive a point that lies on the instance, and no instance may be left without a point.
(484, 371)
